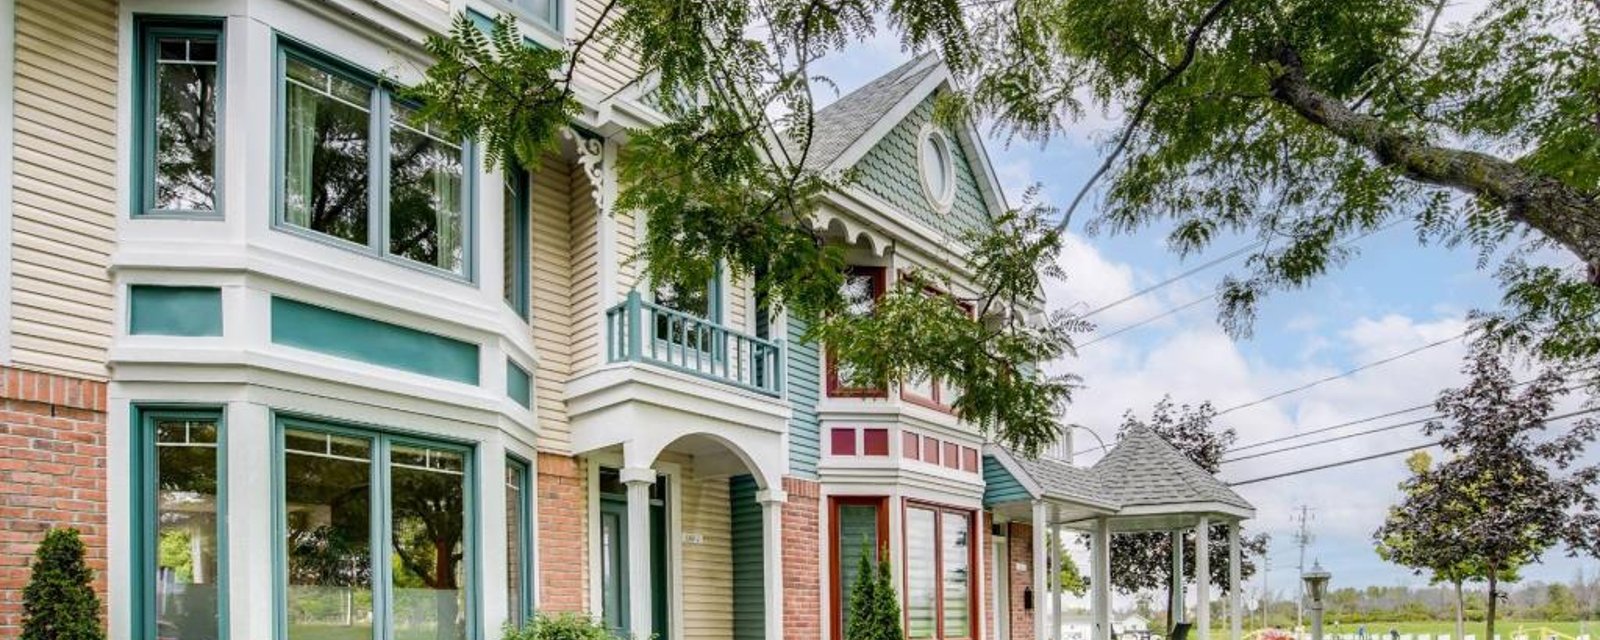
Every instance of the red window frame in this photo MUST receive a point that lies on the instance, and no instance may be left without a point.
(835, 582)
(836, 389)
(937, 401)
(975, 581)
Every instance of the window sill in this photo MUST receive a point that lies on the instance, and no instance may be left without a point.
(369, 251)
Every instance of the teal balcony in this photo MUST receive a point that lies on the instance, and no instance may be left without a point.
(639, 331)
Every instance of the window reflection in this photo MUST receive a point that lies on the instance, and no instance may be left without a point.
(327, 494)
(957, 587)
(428, 501)
(922, 581)
(425, 194)
(516, 536)
(327, 125)
(185, 123)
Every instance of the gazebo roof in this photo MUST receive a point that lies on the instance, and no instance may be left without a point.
(1143, 481)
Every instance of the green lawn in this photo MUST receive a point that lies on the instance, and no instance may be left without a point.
(1504, 628)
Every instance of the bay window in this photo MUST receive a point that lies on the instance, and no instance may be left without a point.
(359, 167)
(862, 288)
(375, 529)
(939, 563)
(519, 543)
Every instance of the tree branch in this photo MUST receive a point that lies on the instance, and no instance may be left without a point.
(1173, 71)
(1562, 213)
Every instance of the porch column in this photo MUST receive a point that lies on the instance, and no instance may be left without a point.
(1041, 570)
(1202, 579)
(1177, 580)
(1235, 608)
(638, 482)
(1100, 579)
(1057, 549)
(772, 560)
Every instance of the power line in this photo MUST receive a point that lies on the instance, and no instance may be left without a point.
(1170, 312)
(1391, 427)
(1345, 374)
(1152, 288)
(1318, 430)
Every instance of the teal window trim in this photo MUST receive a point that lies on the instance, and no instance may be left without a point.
(148, 29)
(380, 114)
(518, 241)
(382, 518)
(184, 311)
(525, 541)
(142, 464)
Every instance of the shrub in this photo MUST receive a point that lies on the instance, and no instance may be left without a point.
(59, 603)
(874, 609)
(560, 626)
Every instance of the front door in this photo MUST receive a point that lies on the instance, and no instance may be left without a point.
(614, 599)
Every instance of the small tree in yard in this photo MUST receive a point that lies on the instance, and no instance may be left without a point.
(59, 603)
(1497, 502)
(874, 609)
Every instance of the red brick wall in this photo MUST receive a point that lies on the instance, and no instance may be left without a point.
(1020, 547)
(986, 552)
(52, 474)
(802, 560)
(563, 536)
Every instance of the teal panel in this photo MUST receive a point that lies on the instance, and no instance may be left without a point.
(174, 311)
(337, 333)
(749, 601)
(999, 486)
(889, 171)
(519, 385)
(805, 383)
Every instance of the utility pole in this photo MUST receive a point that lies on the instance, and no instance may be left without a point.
(1303, 538)
(1266, 567)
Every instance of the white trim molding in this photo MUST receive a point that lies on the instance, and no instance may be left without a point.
(8, 64)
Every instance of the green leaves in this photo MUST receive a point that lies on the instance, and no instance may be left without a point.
(59, 602)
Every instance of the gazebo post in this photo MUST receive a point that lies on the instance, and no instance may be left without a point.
(1202, 579)
(1055, 575)
(1041, 569)
(1176, 606)
(1100, 578)
(1235, 566)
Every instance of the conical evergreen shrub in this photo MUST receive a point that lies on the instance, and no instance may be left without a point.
(874, 607)
(59, 602)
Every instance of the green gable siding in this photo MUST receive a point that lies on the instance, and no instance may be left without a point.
(749, 601)
(805, 383)
(999, 486)
(889, 171)
(347, 335)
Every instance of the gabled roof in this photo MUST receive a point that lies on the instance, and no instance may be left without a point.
(1143, 469)
(839, 125)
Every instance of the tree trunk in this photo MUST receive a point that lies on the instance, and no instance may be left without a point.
(1461, 616)
(1494, 595)
(1554, 209)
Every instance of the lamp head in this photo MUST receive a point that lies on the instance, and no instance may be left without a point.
(1317, 582)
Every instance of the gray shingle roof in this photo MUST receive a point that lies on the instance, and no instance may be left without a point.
(840, 124)
(1062, 480)
(1144, 469)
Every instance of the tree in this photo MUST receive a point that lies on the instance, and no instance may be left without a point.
(1072, 580)
(1428, 540)
(1143, 561)
(1500, 496)
(59, 602)
(874, 607)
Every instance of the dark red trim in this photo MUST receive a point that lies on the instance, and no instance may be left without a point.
(836, 582)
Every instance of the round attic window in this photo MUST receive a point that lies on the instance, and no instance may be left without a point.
(937, 169)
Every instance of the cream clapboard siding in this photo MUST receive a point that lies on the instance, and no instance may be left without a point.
(585, 336)
(551, 278)
(65, 184)
(707, 566)
(603, 75)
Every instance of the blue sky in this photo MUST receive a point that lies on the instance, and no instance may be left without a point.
(1393, 297)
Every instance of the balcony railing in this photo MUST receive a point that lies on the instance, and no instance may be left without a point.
(640, 331)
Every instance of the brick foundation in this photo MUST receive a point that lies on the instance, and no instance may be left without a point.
(802, 560)
(563, 552)
(1020, 547)
(52, 474)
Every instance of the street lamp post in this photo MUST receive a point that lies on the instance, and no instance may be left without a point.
(1317, 590)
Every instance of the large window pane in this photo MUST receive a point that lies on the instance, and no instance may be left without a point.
(514, 253)
(922, 577)
(328, 504)
(185, 86)
(186, 545)
(425, 194)
(325, 154)
(957, 584)
(428, 501)
(858, 536)
(517, 552)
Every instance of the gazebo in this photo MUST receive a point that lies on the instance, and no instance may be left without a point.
(1143, 484)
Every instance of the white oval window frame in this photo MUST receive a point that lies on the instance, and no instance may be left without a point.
(944, 199)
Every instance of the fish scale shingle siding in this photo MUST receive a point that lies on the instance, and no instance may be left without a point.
(889, 171)
(64, 184)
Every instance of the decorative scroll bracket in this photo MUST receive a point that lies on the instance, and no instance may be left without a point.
(592, 154)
